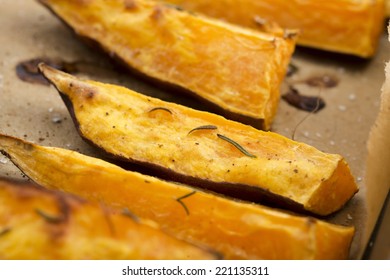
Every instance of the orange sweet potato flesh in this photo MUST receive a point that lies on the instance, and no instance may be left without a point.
(387, 5)
(346, 26)
(271, 168)
(236, 229)
(236, 71)
(39, 224)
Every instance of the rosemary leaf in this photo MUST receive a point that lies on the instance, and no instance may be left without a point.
(182, 203)
(160, 108)
(49, 218)
(126, 212)
(235, 144)
(203, 127)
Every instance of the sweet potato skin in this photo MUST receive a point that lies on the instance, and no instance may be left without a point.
(238, 71)
(346, 26)
(236, 229)
(39, 224)
(284, 172)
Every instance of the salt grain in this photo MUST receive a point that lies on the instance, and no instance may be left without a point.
(352, 97)
(342, 108)
(56, 119)
(3, 159)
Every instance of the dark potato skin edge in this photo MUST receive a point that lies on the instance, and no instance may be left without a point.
(238, 191)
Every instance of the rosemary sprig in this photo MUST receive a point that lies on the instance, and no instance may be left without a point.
(182, 203)
(160, 108)
(49, 218)
(235, 144)
(126, 212)
(203, 127)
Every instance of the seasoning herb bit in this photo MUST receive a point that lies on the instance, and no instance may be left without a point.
(235, 144)
(203, 127)
(126, 212)
(107, 217)
(49, 218)
(182, 203)
(176, 7)
(4, 231)
(160, 108)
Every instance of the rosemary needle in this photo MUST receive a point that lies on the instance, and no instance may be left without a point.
(160, 108)
(235, 144)
(203, 127)
(182, 203)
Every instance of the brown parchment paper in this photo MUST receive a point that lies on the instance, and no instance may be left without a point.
(36, 112)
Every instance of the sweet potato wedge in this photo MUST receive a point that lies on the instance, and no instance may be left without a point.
(237, 71)
(236, 229)
(39, 224)
(346, 26)
(203, 149)
(387, 5)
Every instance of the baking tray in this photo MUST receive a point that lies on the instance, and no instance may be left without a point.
(36, 112)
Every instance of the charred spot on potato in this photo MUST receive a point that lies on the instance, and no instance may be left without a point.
(90, 94)
(28, 70)
(311, 104)
(129, 4)
(28, 146)
(4, 231)
(157, 13)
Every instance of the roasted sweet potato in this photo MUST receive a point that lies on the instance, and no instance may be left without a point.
(387, 5)
(237, 71)
(236, 229)
(39, 224)
(346, 26)
(204, 149)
